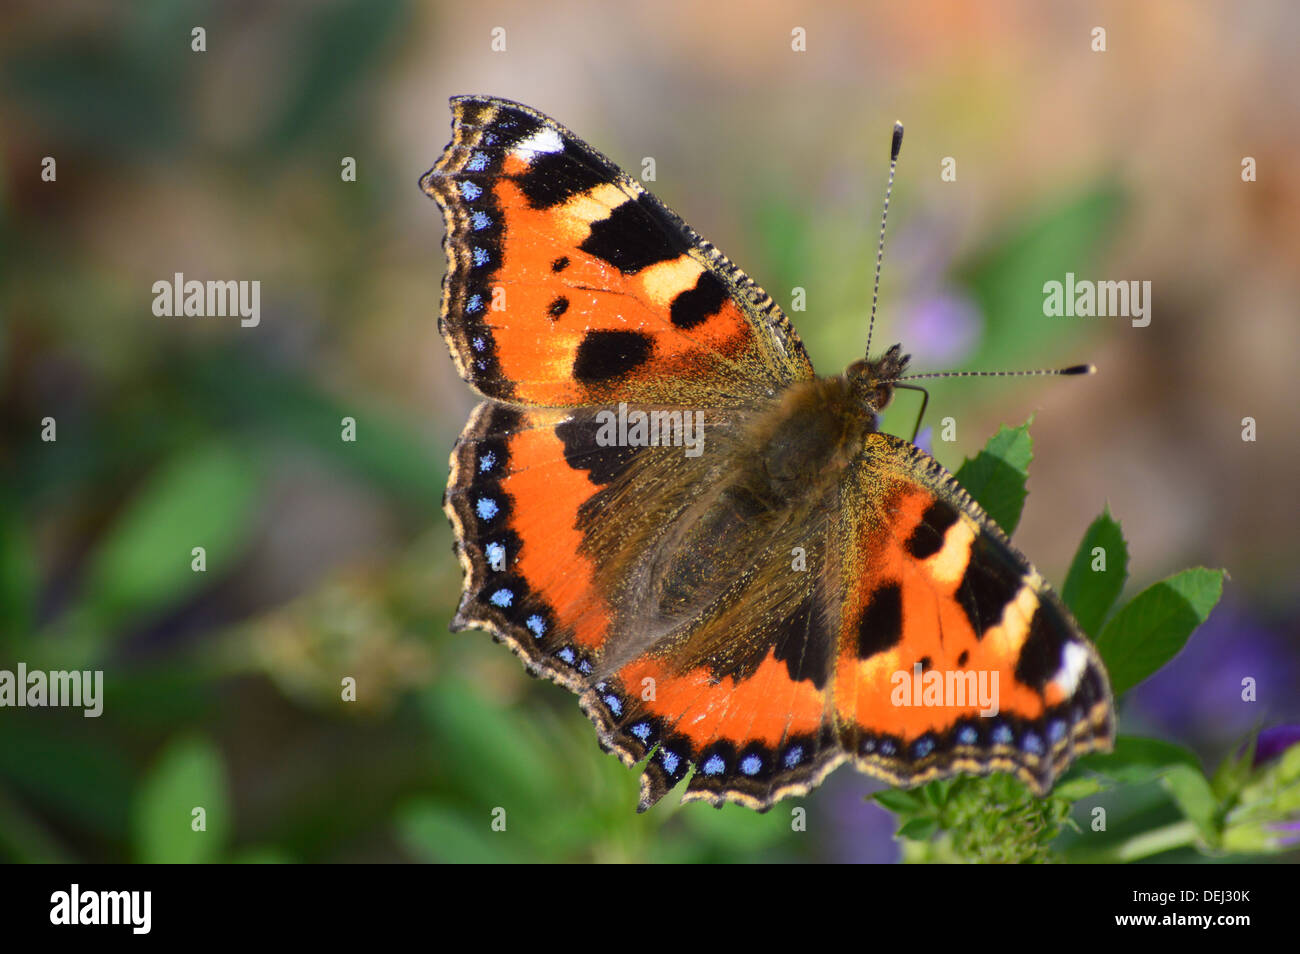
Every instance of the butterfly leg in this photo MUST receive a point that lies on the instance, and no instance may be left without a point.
(926, 400)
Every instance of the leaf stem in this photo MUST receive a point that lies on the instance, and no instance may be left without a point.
(1178, 835)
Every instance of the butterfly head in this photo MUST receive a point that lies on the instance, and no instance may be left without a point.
(872, 381)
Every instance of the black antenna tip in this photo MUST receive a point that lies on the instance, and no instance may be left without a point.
(897, 143)
(1079, 369)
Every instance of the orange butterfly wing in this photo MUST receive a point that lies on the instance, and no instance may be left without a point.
(954, 655)
(569, 285)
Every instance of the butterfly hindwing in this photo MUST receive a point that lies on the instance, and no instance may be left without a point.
(553, 525)
(954, 654)
(570, 285)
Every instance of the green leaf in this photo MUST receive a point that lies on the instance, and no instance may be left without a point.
(203, 497)
(1155, 624)
(1091, 592)
(996, 476)
(918, 829)
(901, 802)
(1234, 772)
(1192, 792)
(1077, 788)
(1137, 759)
(189, 775)
(936, 792)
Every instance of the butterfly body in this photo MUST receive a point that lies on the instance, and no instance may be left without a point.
(661, 507)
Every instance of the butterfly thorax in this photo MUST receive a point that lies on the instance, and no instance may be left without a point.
(816, 429)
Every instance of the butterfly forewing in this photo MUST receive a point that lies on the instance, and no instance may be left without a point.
(570, 285)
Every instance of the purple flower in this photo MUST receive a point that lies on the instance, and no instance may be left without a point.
(1291, 829)
(941, 329)
(1200, 697)
(1273, 742)
(861, 831)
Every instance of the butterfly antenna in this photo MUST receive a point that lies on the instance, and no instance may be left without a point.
(895, 145)
(900, 382)
(1073, 369)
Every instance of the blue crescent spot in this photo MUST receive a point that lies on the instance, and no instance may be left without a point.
(670, 760)
(496, 555)
(479, 221)
(584, 666)
(502, 598)
(1056, 731)
(615, 704)
(967, 736)
(922, 747)
(713, 765)
(474, 304)
(1032, 743)
(793, 757)
(536, 625)
(480, 256)
(641, 730)
(470, 190)
(486, 508)
(1002, 735)
(567, 654)
(868, 746)
(887, 747)
(751, 764)
(477, 162)
(487, 462)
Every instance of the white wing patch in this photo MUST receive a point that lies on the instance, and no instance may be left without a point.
(545, 139)
(1074, 660)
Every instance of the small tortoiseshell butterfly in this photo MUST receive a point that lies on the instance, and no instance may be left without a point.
(661, 507)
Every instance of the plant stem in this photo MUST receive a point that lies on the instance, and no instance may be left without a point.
(1178, 835)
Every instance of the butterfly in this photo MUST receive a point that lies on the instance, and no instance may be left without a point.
(660, 506)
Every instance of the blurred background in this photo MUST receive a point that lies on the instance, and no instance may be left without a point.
(328, 559)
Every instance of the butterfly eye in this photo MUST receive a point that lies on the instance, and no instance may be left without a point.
(881, 396)
(863, 378)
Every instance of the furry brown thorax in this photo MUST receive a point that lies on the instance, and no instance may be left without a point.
(816, 429)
